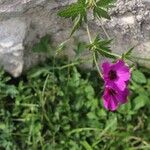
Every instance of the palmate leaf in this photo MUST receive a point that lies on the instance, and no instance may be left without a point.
(102, 44)
(105, 45)
(102, 47)
(76, 11)
(101, 7)
(72, 10)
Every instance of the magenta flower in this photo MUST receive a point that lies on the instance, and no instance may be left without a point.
(116, 77)
(116, 74)
(113, 97)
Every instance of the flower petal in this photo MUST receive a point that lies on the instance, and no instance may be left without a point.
(110, 102)
(122, 96)
(116, 91)
(124, 73)
(120, 84)
(119, 64)
(106, 68)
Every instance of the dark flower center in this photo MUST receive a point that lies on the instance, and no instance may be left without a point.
(112, 75)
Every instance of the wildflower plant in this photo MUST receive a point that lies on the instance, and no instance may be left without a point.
(116, 75)
(55, 106)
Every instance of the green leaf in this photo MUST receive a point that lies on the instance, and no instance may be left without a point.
(102, 47)
(86, 145)
(105, 45)
(101, 13)
(61, 46)
(76, 25)
(37, 72)
(104, 3)
(112, 122)
(128, 53)
(140, 101)
(83, 2)
(72, 10)
(125, 108)
(11, 90)
(112, 118)
(138, 77)
(80, 47)
(2, 126)
(77, 12)
(43, 45)
(107, 54)
(91, 115)
(101, 44)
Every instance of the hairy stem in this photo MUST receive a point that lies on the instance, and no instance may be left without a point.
(94, 57)
(95, 61)
(103, 28)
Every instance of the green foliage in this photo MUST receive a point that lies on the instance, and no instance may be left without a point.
(76, 11)
(141, 95)
(128, 53)
(79, 49)
(100, 9)
(140, 101)
(10, 90)
(101, 13)
(101, 44)
(138, 76)
(102, 47)
(105, 3)
(43, 45)
(73, 10)
(61, 109)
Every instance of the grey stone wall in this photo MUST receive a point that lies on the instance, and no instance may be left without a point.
(24, 22)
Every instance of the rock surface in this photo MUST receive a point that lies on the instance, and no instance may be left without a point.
(12, 35)
(24, 22)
